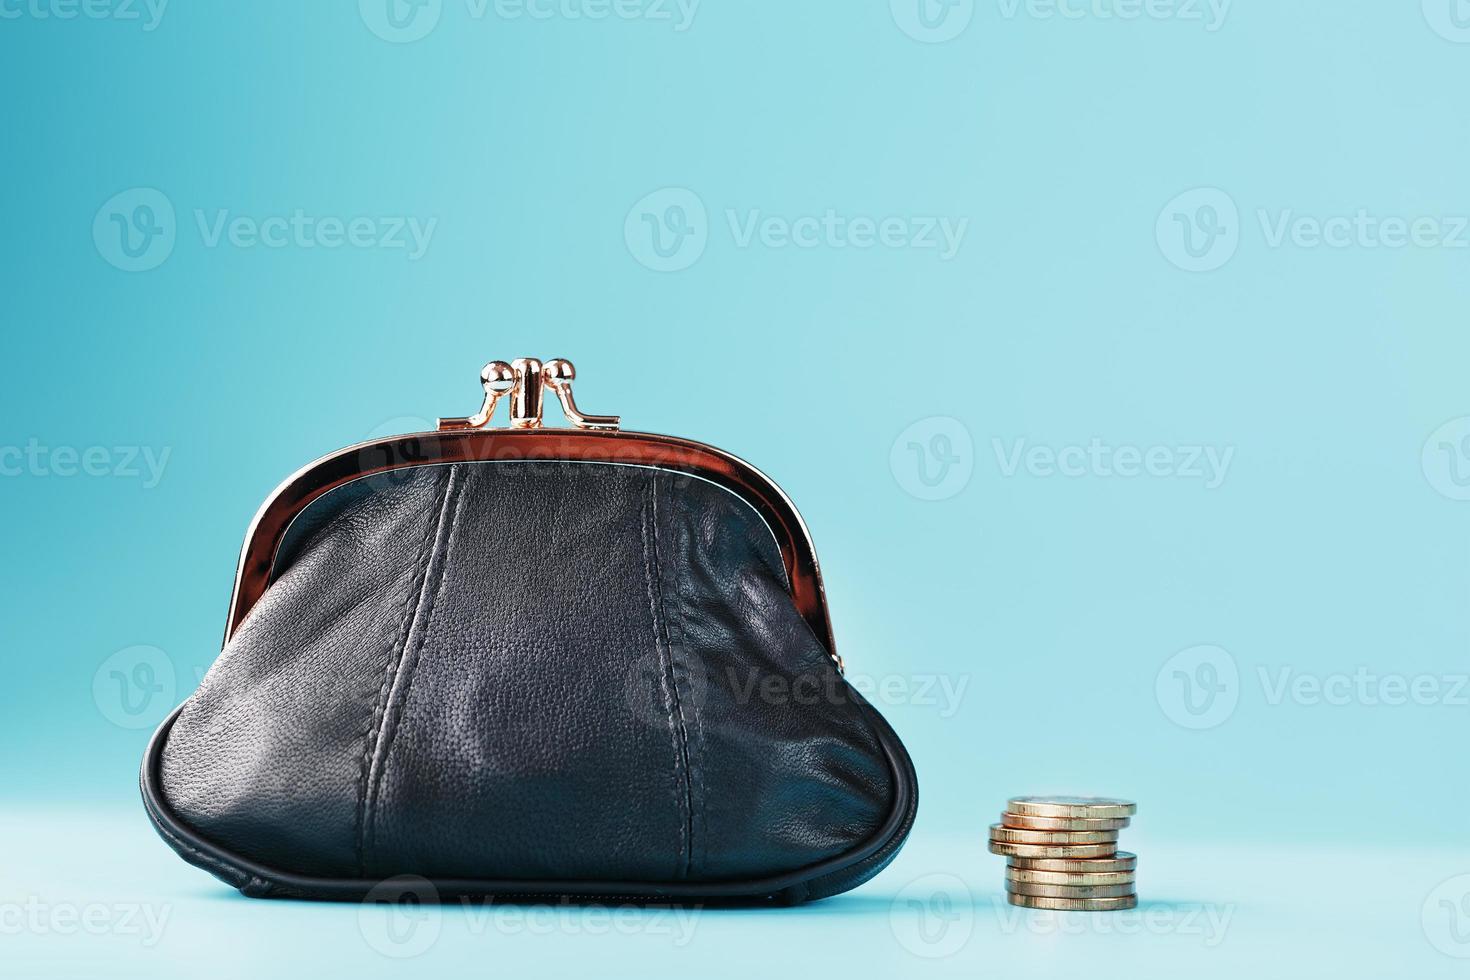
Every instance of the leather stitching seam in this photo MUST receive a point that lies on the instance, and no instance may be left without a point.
(395, 657)
(667, 685)
(680, 670)
(455, 490)
(383, 720)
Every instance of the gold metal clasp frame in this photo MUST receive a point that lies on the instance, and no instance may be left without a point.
(525, 380)
(591, 438)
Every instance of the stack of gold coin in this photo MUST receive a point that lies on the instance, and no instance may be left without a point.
(1062, 853)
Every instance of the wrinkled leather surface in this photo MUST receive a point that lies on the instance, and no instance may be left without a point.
(574, 671)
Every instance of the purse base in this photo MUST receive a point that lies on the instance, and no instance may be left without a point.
(821, 880)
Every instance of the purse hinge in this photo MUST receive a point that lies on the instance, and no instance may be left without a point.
(525, 380)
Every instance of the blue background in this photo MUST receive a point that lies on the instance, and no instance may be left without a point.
(1067, 146)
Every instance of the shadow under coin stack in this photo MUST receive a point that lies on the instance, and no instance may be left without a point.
(1062, 853)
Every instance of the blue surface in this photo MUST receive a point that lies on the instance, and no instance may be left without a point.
(1116, 362)
(121, 908)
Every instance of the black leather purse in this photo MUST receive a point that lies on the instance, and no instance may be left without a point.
(530, 662)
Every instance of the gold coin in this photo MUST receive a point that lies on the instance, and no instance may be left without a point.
(1024, 876)
(1013, 836)
(1102, 863)
(1091, 807)
(1072, 904)
(1053, 851)
(1023, 822)
(1069, 891)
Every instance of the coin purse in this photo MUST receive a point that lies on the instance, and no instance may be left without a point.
(526, 661)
